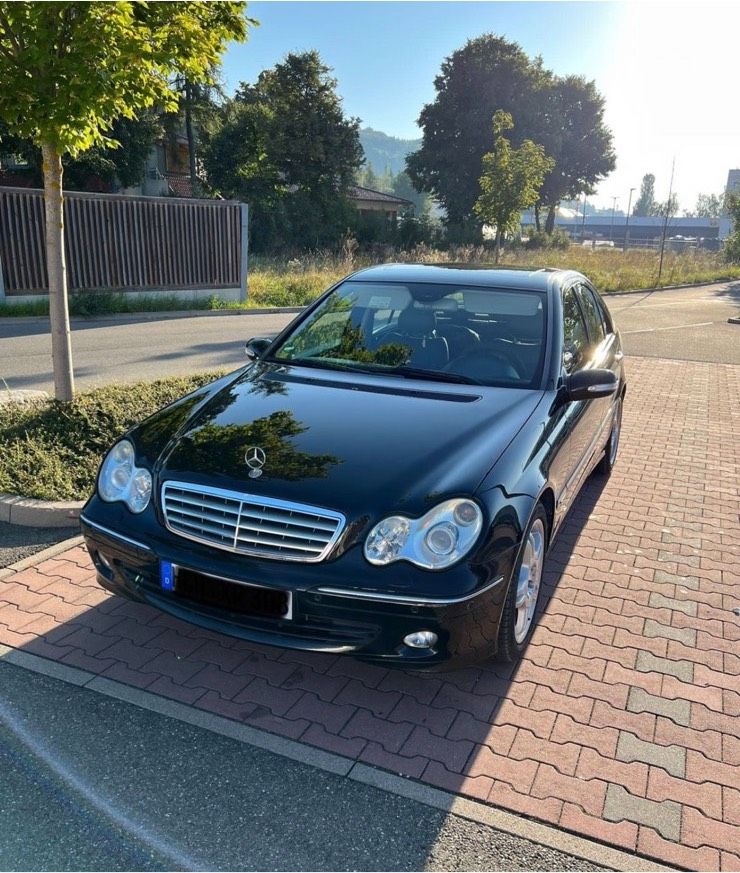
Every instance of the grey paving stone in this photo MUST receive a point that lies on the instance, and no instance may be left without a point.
(677, 710)
(647, 662)
(685, 635)
(665, 816)
(670, 758)
(662, 577)
(688, 607)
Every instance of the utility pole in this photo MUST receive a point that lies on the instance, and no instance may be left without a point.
(665, 223)
(583, 223)
(627, 224)
(614, 209)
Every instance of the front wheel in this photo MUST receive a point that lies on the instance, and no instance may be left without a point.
(606, 464)
(518, 618)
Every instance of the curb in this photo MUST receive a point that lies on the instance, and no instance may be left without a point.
(27, 512)
(721, 281)
(152, 316)
(339, 765)
(43, 555)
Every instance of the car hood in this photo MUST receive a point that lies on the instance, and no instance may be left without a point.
(357, 443)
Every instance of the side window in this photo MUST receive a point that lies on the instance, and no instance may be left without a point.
(593, 316)
(575, 337)
(605, 315)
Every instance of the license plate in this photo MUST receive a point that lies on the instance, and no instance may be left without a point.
(233, 595)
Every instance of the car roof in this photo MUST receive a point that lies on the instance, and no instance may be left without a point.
(516, 278)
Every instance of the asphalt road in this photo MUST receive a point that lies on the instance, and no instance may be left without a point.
(91, 783)
(689, 324)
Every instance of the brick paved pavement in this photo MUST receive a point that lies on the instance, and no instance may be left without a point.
(620, 724)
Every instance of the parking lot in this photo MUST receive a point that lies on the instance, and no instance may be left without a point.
(620, 724)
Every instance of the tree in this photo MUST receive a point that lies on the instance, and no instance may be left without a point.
(287, 147)
(488, 74)
(707, 206)
(645, 204)
(571, 128)
(667, 208)
(732, 243)
(511, 180)
(70, 69)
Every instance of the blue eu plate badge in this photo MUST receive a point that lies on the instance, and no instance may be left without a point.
(166, 575)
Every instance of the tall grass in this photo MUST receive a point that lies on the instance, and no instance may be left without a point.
(297, 281)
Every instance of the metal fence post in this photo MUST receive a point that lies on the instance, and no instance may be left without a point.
(2, 283)
(244, 254)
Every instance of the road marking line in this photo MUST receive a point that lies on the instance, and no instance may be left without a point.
(672, 327)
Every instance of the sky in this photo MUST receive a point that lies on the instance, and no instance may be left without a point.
(668, 70)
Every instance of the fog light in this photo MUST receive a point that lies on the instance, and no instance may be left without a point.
(421, 640)
(104, 561)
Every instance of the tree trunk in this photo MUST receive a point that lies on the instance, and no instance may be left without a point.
(550, 223)
(61, 341)
(537, 217)
(497, 254)
(191, 138)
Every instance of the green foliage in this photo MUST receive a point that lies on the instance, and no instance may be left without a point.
(70, 69)
(708, 206)
(571, 128)
(51, 450)
(490, 74)
(511, 180)
(645, 204)
(731, 250)
(286, 147)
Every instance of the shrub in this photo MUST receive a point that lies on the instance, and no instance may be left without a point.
(51, 450)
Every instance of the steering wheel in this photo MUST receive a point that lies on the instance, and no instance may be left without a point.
(484, 356)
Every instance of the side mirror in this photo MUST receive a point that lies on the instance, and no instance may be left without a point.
(256, 347)
(590, 384)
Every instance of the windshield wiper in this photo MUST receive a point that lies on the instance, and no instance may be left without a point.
(432, 375)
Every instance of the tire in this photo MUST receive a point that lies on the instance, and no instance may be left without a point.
(518, 621)
(611, 450)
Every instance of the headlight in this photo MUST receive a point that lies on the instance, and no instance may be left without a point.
(121, 479)
(434, 541)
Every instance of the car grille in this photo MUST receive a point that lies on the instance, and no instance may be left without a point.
(248, 524)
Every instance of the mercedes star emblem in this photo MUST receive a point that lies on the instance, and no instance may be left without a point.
(255, 458)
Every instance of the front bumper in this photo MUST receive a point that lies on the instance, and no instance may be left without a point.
(325, 617)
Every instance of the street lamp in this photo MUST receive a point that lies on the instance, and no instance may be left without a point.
(614, 209)
(627, 225)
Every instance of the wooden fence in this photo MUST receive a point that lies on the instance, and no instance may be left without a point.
(119, 243)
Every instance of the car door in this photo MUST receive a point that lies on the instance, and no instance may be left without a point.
(605, 353)
(574, 431)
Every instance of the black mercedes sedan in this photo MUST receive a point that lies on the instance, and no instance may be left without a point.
(384, 478)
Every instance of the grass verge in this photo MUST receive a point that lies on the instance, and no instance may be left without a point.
(51, 450)
(296, 282)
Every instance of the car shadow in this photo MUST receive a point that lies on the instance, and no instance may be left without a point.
(453, 729)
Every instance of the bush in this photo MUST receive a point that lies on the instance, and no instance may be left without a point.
(51, 450)
(538, 239)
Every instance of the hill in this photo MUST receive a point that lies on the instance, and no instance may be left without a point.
(383, 151)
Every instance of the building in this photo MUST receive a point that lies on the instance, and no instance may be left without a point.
(644, 231)
(370, 202)
(732, 187)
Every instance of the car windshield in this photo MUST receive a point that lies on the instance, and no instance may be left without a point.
(486, 336)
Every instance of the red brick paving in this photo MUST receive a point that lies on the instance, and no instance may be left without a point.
(626, 702)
